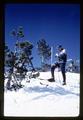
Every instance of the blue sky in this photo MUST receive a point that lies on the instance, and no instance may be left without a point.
(56, 23)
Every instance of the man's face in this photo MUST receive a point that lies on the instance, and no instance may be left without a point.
(59, 49)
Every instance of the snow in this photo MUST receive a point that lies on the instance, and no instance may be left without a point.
(36, 100)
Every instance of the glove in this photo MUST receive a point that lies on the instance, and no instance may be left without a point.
(56, 55)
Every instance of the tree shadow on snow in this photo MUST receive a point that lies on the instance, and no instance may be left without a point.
(48, 91)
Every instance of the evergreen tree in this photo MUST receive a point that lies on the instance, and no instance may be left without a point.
(17, 61)
(25, 52)
(9, 57)
(9, 65)
(44, 50)
(23, 49)
(18, 33)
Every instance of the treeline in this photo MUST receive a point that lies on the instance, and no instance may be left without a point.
(22, 54)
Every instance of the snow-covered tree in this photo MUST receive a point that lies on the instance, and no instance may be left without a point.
(9, 58)
(23, 49)
(8, 65)
(24, 52)
(19, 60)
(73, 66)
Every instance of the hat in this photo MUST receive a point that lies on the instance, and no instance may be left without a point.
(60, 46)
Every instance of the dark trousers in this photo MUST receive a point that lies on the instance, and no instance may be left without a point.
(59, 65)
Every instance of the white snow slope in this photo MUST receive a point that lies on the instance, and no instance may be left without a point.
(36, 100)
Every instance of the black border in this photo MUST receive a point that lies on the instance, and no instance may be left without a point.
(1, 58)
(2, 37)
(81, 60)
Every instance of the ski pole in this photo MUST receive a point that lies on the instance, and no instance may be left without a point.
(58, 76)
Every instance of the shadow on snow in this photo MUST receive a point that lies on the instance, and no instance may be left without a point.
(48, 91)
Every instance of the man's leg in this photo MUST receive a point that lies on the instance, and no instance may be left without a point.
(53, 68)
(52, 71)
(63, 73)
(64, 77)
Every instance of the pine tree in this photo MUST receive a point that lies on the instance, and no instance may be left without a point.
(17, 60)
(25, 53)
(23, 49)
(9, 65)
(44, 51)
(9, 57)
(18, 33)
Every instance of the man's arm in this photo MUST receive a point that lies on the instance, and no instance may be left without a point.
(62, 55)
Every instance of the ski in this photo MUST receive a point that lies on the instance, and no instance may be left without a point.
(44, 84)
(49, 80)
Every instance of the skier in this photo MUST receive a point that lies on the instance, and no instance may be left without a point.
(62, 58)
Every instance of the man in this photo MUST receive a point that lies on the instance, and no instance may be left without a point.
(62, 58)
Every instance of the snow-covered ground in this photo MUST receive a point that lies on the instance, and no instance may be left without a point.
(54, 100)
